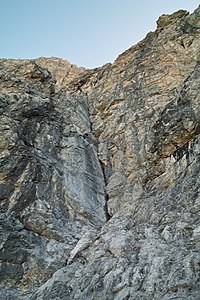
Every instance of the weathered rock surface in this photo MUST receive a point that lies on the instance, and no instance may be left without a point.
(99, 182)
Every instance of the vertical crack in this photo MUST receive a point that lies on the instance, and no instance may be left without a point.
(108, 216)
(106, 196)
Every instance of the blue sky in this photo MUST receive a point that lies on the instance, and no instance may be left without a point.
(88, 33)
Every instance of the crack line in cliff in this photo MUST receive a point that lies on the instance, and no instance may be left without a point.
(108, 216)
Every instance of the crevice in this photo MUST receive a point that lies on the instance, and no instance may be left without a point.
(108, 216)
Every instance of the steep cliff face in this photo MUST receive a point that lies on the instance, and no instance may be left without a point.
(99, 182)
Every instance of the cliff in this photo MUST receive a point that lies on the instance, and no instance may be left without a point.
(99, 180)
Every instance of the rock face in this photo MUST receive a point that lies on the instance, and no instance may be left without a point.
(99, 178)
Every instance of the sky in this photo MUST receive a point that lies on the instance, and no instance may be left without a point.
(87, 33)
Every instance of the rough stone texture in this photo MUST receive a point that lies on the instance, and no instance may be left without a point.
(61, 70)
(99, 183)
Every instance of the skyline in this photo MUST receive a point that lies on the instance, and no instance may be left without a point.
(85, 33)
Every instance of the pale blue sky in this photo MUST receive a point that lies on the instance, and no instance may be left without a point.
(88, 33)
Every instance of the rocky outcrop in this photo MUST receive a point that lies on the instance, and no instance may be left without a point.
(99, 184)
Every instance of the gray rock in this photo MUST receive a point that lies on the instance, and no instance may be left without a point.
(99, 181)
